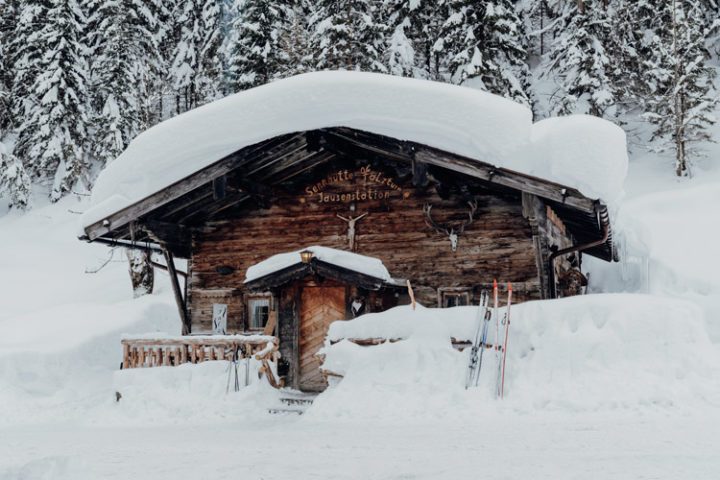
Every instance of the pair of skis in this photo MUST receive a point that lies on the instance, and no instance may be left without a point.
(484, 317)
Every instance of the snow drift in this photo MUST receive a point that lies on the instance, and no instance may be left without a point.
(456, 119)
(582, 353)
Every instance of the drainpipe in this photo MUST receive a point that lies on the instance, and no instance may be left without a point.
(574, 248)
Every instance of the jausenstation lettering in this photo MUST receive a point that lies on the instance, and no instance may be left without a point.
(362, 185)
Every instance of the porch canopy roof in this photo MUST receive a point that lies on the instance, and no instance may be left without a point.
(347, 267)
(200, 165)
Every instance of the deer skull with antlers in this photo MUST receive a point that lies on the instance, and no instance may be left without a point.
(452, 231)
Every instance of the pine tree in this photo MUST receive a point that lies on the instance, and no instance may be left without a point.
(412, 29)
(54, 119)
(257, 55)
(538, 20)
(124, 70)
(295, 40)
(347, 35)
(23, 53)
(483, 43)
(14, 182)
(197, 67)
(680, 97)
(8, 19)
(579, 57)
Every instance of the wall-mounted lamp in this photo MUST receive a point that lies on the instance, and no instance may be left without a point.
(306, 256)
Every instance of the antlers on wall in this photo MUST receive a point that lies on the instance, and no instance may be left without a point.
(451, 230)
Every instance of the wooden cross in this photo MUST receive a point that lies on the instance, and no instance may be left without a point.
(351, 229)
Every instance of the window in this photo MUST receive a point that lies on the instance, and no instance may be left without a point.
(258, 312)
(453, 297)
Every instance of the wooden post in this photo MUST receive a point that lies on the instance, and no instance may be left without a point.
(126, 356)
(182, 308)
(412, 294)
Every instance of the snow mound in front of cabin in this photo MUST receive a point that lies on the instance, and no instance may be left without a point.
(460, 120)
(370, 266)
(593, 352)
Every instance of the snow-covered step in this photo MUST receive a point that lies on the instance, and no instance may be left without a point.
(293, 402)
(285, 411)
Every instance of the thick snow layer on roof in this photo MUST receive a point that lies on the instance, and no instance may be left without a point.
(370, 266)
(456, 119)
(580, 151)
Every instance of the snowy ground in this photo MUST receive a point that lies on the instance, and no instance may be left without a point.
(59, 350)
(504, 446)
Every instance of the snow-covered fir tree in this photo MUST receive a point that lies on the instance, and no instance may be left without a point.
(348, 35)
(413, 27)
(125, 69)
(14, 182)
(256, 48)
(679, 79)
(482, 43)
(402, 49)
(197, 67)
(53, 133)
(8, 20)
(295, 40)
(538, 23)
(23, 53)
(579, 59)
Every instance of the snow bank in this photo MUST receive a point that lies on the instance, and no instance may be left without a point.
(675, 233)
(57, 364)
(582, 353)
(370, 266)
(456, 119)
(204, 392)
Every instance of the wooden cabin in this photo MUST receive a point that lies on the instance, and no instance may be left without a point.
(448, 224)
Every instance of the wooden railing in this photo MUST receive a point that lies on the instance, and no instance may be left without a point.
(145, 352)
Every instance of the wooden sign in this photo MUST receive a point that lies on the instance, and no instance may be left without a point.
(351, 186)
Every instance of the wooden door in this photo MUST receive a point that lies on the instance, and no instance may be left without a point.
(319, 306)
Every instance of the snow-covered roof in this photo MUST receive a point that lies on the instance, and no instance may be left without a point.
(580, 152)
(370, 266)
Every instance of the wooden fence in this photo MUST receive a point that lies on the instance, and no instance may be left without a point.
(143, 352)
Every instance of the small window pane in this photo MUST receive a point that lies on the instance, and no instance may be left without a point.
(455, 299)
(259, 311)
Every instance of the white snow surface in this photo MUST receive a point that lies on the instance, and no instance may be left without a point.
(584, 353)
(607, 386)
(370, 266)
(456, 119)
(581, 151)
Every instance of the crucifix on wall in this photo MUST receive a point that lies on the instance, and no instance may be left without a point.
(351, 228)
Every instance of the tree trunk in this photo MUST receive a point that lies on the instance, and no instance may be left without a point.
(142, 275)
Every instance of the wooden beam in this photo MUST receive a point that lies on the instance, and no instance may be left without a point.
(179, 301)
(457, 163)
(219, 185)
(420, 174)
(164, 232)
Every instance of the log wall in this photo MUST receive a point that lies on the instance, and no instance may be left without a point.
(498, 244)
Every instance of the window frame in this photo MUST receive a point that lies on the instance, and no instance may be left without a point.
(458, 292)
(248, 305)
